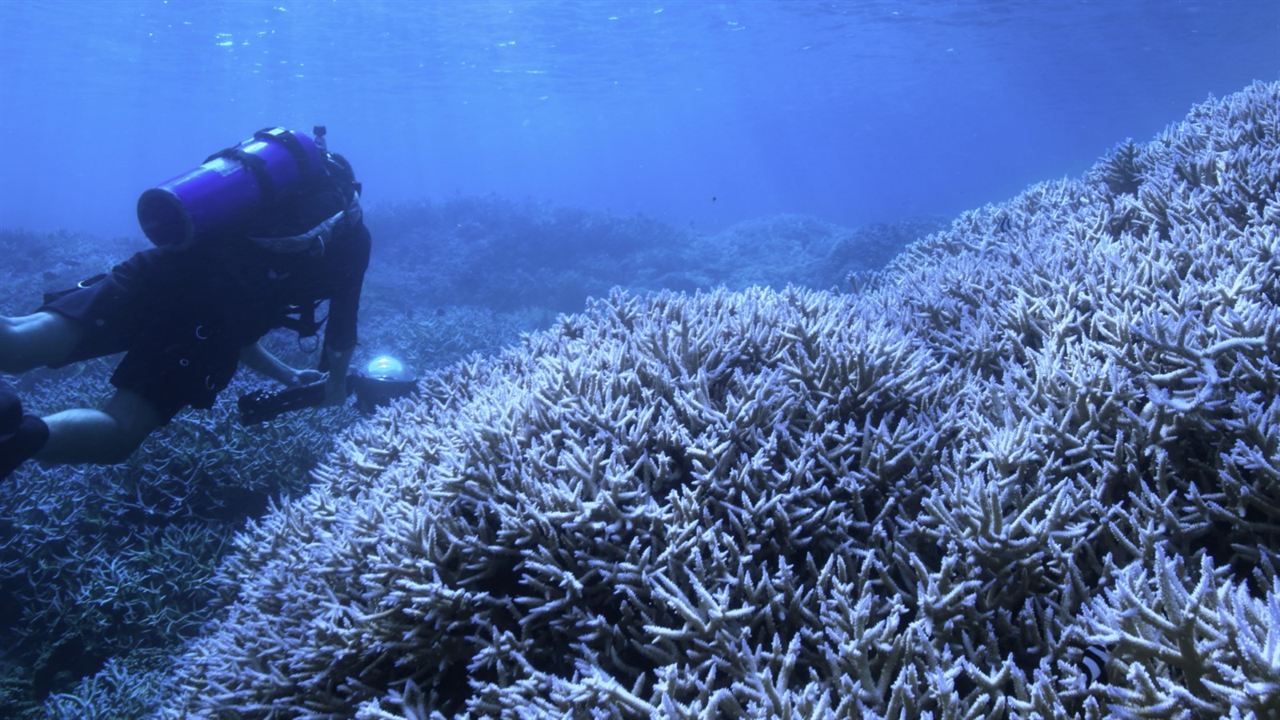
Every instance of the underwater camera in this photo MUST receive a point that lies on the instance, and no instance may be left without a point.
(380, 381)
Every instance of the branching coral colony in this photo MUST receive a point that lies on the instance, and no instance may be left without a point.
(1048, 428)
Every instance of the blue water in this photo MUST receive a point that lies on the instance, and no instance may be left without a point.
(690, 112)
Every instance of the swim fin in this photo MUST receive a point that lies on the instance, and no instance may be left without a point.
(21, 436)
(10, 410)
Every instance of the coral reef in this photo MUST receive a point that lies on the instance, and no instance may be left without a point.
(1051, 426)
(103, 570)
(126, 687)
(97, 563)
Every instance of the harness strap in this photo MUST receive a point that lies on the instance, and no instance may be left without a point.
(305, 323)
(58, 294)
(315, 239)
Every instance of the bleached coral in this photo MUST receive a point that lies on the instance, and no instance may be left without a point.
(1202, 644)
(926, 497)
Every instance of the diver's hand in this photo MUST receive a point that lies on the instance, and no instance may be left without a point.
(306, 377)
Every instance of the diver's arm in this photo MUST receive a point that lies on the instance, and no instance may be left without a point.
(338, 362)
(259, 360)
(351, 258)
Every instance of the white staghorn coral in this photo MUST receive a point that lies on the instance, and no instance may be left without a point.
(923, 498)
(1198, 644)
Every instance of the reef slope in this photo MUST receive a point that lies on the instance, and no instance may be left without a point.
(1052, 426)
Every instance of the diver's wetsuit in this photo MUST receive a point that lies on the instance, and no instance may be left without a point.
(184, 313)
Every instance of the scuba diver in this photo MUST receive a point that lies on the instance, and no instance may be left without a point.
(252, 240)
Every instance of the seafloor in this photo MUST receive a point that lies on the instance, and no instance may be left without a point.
(1051, 426)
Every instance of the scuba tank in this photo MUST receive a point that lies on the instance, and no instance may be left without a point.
(231, 185)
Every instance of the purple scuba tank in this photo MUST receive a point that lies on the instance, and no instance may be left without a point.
(229, 186)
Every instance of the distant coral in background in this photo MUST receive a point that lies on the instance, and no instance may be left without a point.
(507, 256)
(803, 250)
(1051, 427)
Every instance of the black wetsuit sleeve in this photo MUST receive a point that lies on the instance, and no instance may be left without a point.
(350, 263)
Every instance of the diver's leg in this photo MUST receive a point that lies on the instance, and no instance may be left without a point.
(105, 436)
(31, 341)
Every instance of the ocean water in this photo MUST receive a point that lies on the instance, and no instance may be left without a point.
(683, 285)
(688, 111)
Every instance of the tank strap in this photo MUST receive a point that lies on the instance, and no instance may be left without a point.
(255, 165)
(289, 142)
